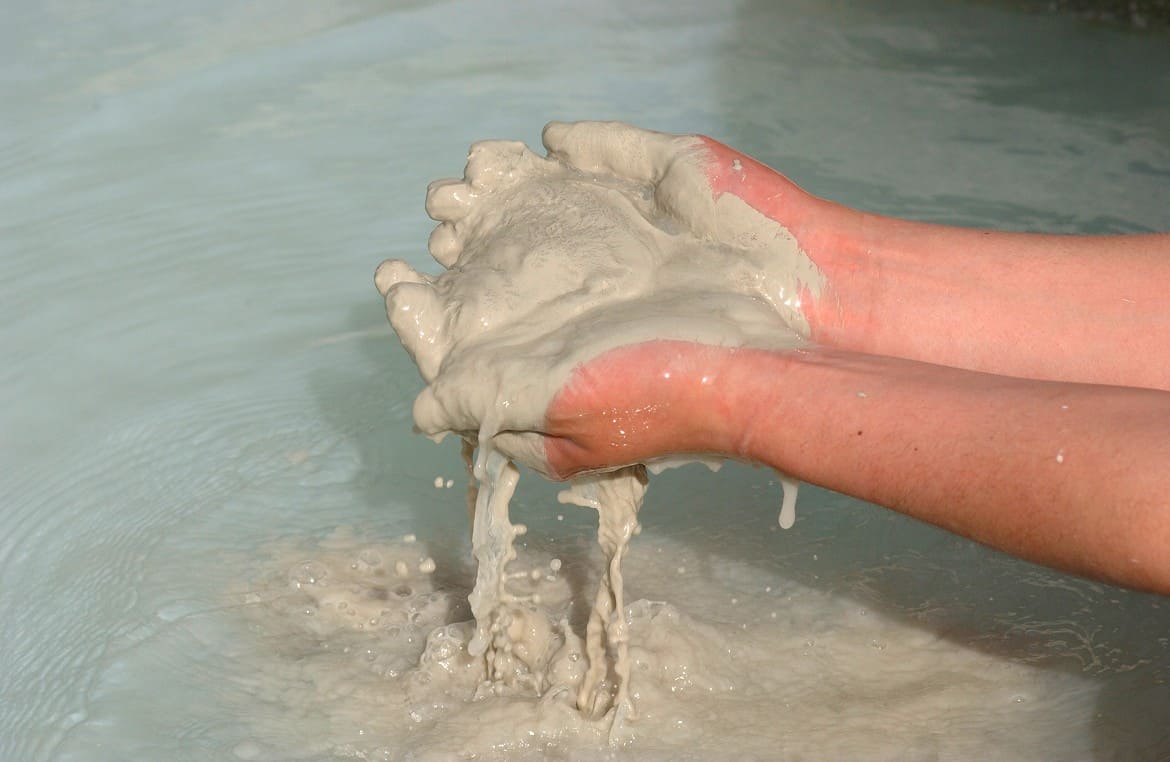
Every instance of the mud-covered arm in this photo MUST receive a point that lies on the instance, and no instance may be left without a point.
(1068, 475)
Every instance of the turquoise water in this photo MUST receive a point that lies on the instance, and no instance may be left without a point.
(197, 370)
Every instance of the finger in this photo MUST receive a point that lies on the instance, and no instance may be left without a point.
(616, 148)
(524, 447)
(438, 411)
(445, 244)
(417, 316)
(449, 200)
(495, 164)
(394, 271)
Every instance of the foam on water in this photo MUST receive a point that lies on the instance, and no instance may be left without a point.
(382, 661)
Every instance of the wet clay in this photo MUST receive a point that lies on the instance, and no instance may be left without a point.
(356, 648)
(612, 239)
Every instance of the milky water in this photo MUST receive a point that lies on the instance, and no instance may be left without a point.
(204, 407)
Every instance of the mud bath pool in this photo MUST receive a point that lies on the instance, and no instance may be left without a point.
(206, 448)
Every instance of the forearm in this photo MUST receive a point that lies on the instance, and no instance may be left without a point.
(1074, 308)
(1067, 475)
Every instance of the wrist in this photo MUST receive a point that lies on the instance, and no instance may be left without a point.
(756, 404)
(656, 399)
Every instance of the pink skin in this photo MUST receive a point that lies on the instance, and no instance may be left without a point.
(1068, 308)
(989, 383)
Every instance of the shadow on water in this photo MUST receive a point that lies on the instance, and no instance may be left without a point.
(952, 90)
(1136, 14)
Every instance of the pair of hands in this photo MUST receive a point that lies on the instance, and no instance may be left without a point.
(593, 301)
(636, 295)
